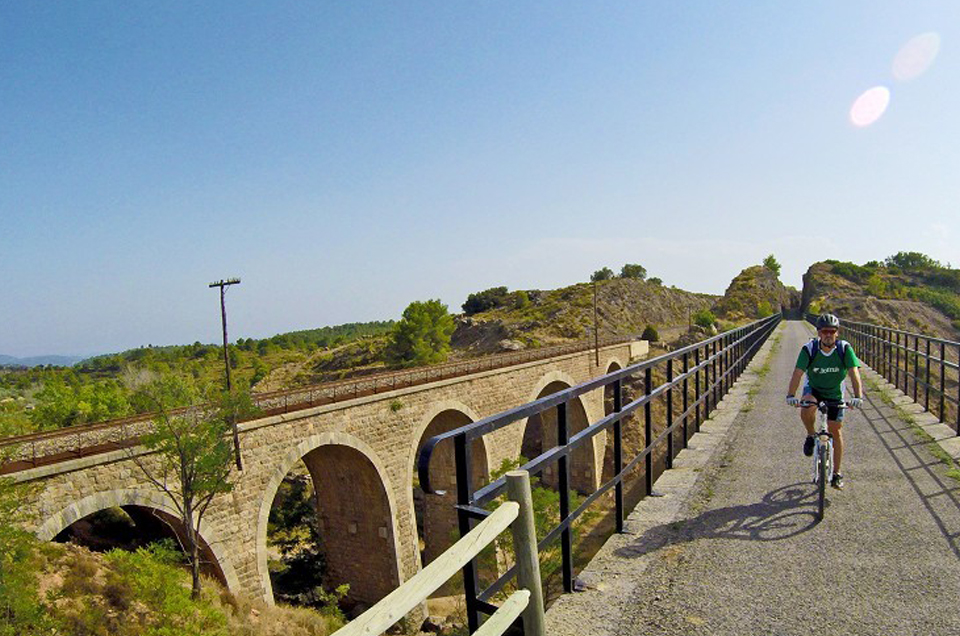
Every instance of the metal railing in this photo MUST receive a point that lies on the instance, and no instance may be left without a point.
(517, 514)
(53, 446)
(917, 364)
(711, 366)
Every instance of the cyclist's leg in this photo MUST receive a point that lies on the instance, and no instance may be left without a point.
(808, 414)
(836, 429)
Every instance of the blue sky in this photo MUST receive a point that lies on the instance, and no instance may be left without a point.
(346, 158)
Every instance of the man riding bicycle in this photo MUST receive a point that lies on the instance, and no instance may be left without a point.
(825, 361)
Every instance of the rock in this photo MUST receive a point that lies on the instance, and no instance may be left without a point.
(510, 345)
(432, 625)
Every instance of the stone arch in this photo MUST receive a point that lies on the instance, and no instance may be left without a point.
(212, 549)
(540, 434)
(436, 514)
(338, 451)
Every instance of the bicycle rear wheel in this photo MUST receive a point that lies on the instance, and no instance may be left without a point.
(822, 458)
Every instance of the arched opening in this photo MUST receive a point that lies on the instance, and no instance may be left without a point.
(331, 524)
(540, 435)
(436, 514)
(128, 527)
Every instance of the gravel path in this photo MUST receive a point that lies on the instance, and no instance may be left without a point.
(747, 556)
(733, 546)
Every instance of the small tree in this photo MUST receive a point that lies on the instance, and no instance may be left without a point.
(633, 271)
(193, 458)
(704, 318)
(650, 334)
(602, 274)
(422, 336)
(655, 281)
(771, 263)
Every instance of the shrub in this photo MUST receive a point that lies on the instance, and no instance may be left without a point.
(764, 309)
(650, 333)
(602, 274)
(485, 300)
(852, 272)
(912, 261)
(655, 281)
(704, 318)
(771, 263)
(422, 336)
(633, 271)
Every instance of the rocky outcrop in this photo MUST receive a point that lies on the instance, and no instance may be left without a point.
(757, 292)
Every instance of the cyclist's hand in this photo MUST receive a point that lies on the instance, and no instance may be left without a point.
(855, 403)
(792, 400)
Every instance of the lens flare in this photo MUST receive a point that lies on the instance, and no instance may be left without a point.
(916, 56)
(870, 106)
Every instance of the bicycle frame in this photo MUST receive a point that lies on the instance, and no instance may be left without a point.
(823, 450)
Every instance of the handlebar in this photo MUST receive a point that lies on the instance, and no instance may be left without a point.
(824, 404)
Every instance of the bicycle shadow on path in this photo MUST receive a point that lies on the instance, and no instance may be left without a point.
(781, 514)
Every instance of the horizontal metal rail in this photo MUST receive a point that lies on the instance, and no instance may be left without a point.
(915, 363)
(101, 437)
(716, 364)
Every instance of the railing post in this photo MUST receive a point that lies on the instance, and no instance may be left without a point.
(926, 379)
(618, 454)
(566, 537)
(648, 430)
(943, 374)
(958, 390)
(464, 495)
(696, 388)
(670, 414)
(686, 398)
(896, 368)
(525, 548)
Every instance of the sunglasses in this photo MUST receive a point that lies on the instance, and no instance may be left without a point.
(828, 332)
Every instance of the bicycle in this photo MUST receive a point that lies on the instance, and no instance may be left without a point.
(823, 449)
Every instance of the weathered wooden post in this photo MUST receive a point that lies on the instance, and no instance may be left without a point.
(525, 548)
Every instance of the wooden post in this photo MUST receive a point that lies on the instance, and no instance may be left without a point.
(525, 547)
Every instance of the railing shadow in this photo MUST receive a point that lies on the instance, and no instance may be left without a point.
(782, 513)
(907, 441)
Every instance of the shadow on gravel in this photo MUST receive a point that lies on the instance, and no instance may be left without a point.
(782, 513)
(930, 470)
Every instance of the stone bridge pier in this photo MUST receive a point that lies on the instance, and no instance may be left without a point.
(377, 530)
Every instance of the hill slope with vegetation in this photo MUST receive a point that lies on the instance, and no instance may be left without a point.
(757, 292)
(907, 291)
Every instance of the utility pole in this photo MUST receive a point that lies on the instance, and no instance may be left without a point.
(596, 328)
(222, 284)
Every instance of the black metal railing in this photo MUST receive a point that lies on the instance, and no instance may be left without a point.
(921, 366)
(716, 363)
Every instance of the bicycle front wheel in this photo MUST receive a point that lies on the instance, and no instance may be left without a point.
(822, 459)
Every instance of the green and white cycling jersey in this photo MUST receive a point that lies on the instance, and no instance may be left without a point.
(826, 373)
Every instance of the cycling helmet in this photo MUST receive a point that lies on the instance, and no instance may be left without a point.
(828, 320)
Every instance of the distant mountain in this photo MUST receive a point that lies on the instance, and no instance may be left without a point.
(36, 361)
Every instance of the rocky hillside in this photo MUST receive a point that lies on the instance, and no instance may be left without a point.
(534, 318)
(757, 292)
(907, 291)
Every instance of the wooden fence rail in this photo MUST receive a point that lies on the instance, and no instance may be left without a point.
(516, 514)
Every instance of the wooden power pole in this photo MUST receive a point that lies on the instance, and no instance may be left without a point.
(223, 284)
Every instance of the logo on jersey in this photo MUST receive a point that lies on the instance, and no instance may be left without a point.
(826, 370)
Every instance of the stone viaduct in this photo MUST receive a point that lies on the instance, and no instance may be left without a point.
(361, 455)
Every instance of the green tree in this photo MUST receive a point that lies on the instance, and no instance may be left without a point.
(422, 336)
(912, 260)
(633, 271)
(655, 280)
(190, 458)
(771, 263)
(602, 274)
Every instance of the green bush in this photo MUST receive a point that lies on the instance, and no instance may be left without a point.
(704, 318)
(650, 333)
(485, 300)
(602, 274)
(912, 261)
(771, 263)
(852, 272)
(764, 309)
(423, 334)
(655, 281)
(633, 271)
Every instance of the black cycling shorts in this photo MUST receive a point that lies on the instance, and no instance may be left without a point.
(834, 413)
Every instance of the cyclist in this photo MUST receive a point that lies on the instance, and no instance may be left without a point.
(826, 361)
